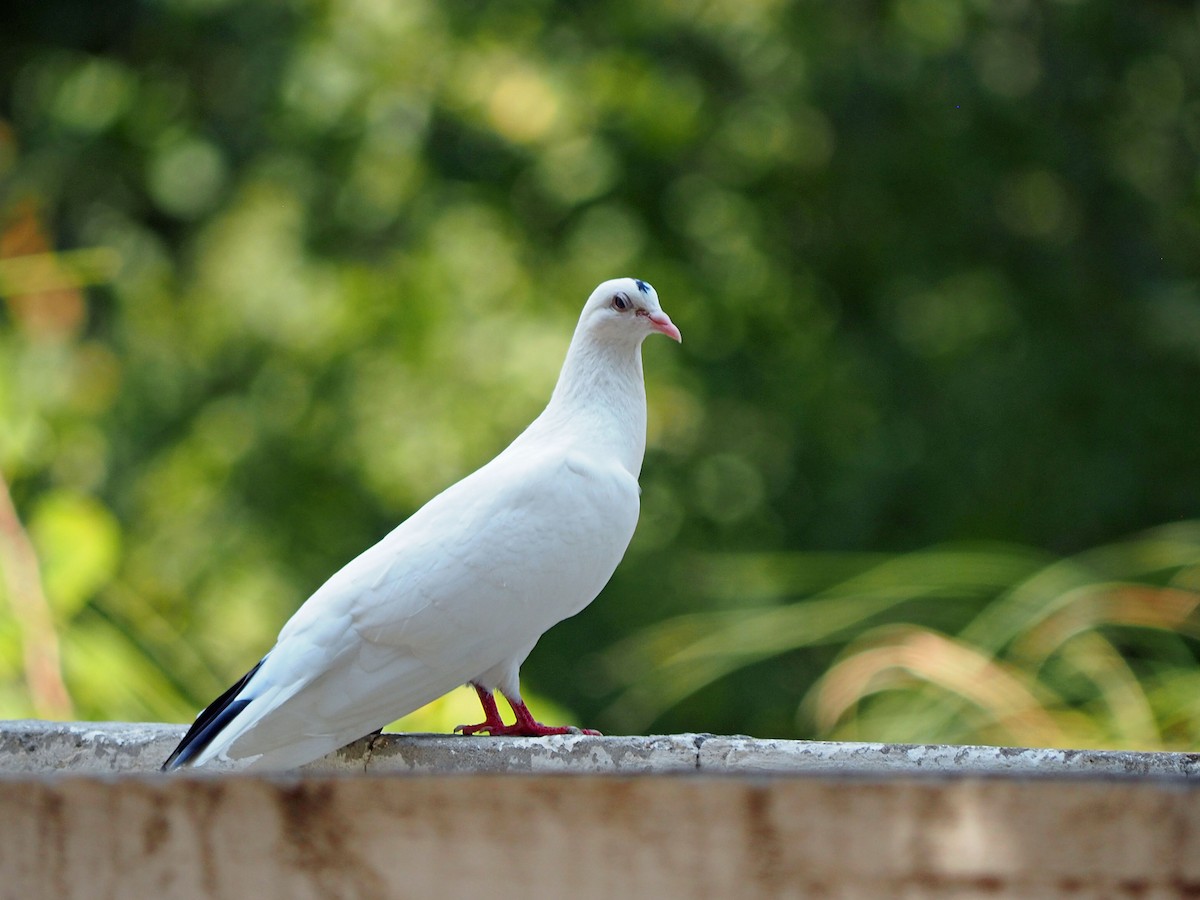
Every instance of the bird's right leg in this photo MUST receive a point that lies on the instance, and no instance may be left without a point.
(492, 724)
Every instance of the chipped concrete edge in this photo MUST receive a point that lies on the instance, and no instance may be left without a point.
(31, 748)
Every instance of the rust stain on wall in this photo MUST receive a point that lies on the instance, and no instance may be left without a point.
(366, 837)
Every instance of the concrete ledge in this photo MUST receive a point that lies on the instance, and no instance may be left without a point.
(84, 748)
(84, 814)
(592, 836)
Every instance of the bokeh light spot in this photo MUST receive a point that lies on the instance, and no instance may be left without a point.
(186, 177)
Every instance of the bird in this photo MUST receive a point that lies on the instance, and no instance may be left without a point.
(461, 591)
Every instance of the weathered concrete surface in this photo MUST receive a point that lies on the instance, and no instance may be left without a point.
(110, 747)
(375, 836)
(84, 814)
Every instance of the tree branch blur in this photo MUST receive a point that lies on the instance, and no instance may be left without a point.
(27, 599)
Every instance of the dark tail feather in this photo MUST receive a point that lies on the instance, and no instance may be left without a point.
(209, 723)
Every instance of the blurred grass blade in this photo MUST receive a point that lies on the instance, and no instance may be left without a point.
(897, 656)
(668, 662)
(1126, 711)
(36, 273)
(1053, 588)
(1031, 660)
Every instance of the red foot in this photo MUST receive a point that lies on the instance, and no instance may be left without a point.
(525, 726)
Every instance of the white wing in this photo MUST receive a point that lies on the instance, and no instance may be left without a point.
(470, 580)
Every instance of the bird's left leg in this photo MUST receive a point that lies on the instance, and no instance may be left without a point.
(492, 723)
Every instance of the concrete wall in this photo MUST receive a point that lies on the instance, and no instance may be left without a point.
(82, 814)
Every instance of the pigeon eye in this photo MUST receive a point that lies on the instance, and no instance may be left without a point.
(620, 301)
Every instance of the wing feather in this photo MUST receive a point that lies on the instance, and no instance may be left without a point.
(467, 582)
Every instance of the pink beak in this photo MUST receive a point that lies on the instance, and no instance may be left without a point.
(662, 323)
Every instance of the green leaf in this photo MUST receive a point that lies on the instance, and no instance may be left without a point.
(78, 542)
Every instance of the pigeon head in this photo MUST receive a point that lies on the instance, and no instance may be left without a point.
(626, 309)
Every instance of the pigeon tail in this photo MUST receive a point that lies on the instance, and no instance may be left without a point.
(211, 722)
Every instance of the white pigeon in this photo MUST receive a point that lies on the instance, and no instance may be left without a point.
(460, 592)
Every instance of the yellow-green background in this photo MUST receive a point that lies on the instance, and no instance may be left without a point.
(926, 466)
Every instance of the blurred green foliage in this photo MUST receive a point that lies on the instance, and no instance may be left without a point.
(989, 644)
(274, 273)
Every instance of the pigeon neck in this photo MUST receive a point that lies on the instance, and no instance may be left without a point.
(601, 396)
